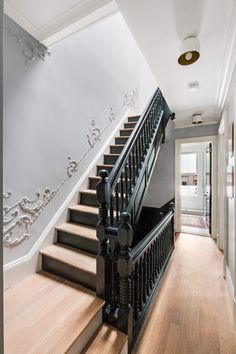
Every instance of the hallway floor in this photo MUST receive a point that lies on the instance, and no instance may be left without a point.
(191, 313)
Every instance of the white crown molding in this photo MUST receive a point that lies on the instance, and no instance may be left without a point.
(10, 11)
(229, 61)
(73, 20)
(92, 18)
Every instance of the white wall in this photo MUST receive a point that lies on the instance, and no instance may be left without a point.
(52, 108)
(229, 115)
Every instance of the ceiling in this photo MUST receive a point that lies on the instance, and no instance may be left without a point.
(159, 28)
(52, 20)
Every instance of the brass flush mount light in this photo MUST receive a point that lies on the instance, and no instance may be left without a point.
(190, 51)
(197, 118)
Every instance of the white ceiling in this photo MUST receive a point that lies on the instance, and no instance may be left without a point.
(51, 20)
(160, 26)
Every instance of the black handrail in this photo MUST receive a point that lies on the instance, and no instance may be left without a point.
(119, 165)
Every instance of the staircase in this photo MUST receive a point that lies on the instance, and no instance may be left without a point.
(98, 280)
(70, 318)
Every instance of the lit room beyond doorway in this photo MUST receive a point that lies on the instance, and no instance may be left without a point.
(196, 188)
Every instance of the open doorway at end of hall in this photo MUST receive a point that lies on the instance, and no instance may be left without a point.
(194, 187)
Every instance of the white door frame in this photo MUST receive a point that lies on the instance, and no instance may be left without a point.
(213, 139)
(221, 194)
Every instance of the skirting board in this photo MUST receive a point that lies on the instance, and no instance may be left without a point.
(23, 267)
(232, 292)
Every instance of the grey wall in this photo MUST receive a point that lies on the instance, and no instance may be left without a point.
(51, 111)
(162, 184)
(195, 131)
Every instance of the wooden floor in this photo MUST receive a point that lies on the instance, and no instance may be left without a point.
(191, 314)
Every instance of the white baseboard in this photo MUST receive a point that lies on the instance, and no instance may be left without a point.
(23, 267)
(232, 293)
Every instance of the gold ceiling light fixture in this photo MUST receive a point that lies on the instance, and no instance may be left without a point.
(190, 51)
(197, 118)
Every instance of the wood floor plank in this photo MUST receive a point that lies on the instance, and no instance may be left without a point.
(191, 312)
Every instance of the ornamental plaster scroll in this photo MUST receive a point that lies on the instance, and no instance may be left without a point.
(30, 51)
(20, 216)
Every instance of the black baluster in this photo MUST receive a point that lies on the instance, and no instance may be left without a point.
(126, 176)
(111, 211)
(134, 168)
(130, 175)
(117, 202)
(122, 190)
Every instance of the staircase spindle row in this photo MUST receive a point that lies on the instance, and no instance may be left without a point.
(127, 272)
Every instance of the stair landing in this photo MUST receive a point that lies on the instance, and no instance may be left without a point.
(45, 314)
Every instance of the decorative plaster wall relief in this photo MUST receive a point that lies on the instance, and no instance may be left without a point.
(30, 51)
(19, 217)
(94, 134)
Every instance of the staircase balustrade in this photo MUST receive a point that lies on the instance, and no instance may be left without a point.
(128, 274)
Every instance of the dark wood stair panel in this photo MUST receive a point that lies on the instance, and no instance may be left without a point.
(110, 159)
(133, 119)
(116, 149)
(83, 214)
(129, 125)
(88, 197)
(107, 340)
(93, 181)
(104, 167)
(71, 264)
(78, 236)
(121, 140)
(125, 132)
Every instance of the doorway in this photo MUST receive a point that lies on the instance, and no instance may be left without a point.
(195, 186)
(195, 190)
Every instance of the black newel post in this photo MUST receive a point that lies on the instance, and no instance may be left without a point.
(125, 237)
(103, 268)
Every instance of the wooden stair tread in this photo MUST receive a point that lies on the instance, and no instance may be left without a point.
(78, 230)
(84, 208)
(88, 191)
(107, 340)
(111, 155)
(73, 257)
(50, 317)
